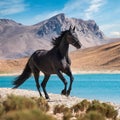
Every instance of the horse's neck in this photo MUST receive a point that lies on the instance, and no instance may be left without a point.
(64, 53)
(63, 48)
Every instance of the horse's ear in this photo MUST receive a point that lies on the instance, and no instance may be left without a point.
(70, 28)
(74, 28)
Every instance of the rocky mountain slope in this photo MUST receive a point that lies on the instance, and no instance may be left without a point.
(88, 31)
(103, 58)
(17, 40)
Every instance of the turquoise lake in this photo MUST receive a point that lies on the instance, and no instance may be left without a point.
(105, 87)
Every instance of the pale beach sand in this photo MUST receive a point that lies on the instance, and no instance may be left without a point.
(97, 72)
(74, 72)
(55, 99)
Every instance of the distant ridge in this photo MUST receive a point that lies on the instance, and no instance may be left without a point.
(17, 40)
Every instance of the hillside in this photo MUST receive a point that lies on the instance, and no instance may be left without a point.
(105, 57)
(102, 58)
(17, 40)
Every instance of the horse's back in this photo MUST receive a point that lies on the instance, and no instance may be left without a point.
(39, 56)
(39, 52)
(42, 60)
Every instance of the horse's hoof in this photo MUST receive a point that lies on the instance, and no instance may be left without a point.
(63, 92)
(47, 97)
(68, 93)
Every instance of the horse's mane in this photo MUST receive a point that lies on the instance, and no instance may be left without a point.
(56, 42)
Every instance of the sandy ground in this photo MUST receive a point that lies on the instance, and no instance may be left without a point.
(55, 99)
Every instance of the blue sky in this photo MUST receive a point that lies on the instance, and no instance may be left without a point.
(106, 13)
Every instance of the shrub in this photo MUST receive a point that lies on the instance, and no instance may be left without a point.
(97, 106)
(92, 115)
(78, 107)
(18, 103)
(33, 114)
(67, 114)
(110, 111)
(59, 109)
(2, 109)
(103, 108)
(42, 104)
(22, 108)
(83, 105)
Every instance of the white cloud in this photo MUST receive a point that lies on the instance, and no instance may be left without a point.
(76, 8)
(83, 8)
(8, 7)
(94, 7)
(107, 27)
(111, 30)
(73, 6)
(71, 9)
(115, 33)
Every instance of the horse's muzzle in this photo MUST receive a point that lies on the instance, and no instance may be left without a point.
(78, 45)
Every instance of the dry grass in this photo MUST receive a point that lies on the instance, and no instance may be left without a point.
(106, 110)
(23, 108)
(86, 110)
(32, 114)
(92, 115)
(82, 106)
(67, 113)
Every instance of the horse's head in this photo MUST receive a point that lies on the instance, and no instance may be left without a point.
(72, 39)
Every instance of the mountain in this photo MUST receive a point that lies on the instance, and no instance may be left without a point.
(17, 40)
(88, 31)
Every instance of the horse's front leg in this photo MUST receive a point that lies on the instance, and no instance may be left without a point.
(69, 73)
(64, 91)
(36, 76)
(43, 84)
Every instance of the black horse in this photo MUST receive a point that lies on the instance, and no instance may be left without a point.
(54, 61)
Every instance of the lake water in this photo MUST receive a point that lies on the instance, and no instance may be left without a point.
(105, 87)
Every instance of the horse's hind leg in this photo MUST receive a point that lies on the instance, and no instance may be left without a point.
(64, 81)
(36, 76)
(43, 84)
(69, 73)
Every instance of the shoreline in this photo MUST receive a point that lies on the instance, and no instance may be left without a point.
(74, 72)
(55, 99)
(97, 72)
(9, 74)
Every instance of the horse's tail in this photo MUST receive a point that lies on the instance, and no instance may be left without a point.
(23, 77)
